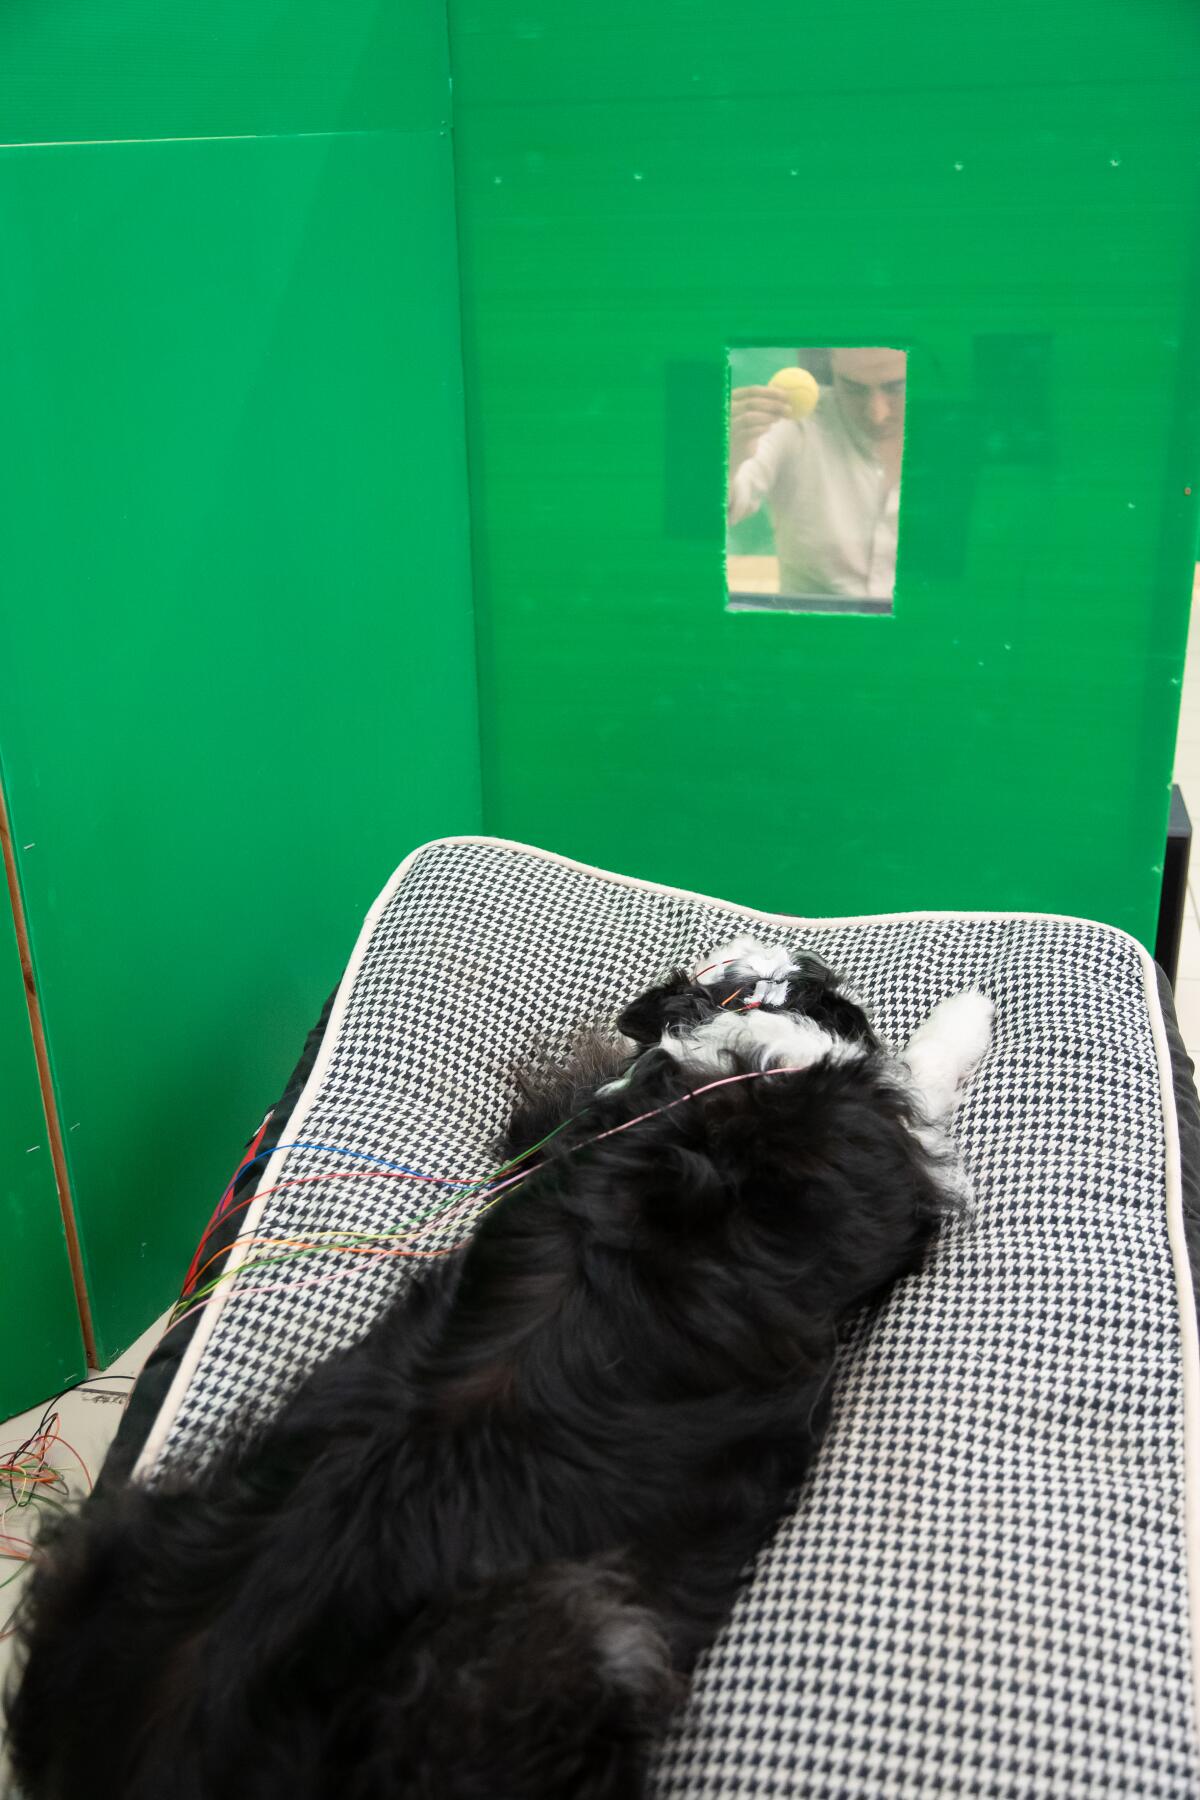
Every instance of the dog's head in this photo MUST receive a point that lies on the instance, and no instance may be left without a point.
(745, 976)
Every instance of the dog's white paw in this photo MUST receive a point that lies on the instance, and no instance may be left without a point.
(958, 1031)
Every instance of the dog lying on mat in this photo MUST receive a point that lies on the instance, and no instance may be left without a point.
(477, 1554)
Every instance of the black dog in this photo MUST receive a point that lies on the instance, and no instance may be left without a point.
(478, 1553)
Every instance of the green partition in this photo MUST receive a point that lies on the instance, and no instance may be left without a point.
(1009, 193)
(41, 1349)
(237, 665)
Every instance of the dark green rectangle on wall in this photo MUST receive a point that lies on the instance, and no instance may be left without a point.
(237, 655)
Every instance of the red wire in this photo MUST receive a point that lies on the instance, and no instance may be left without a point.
(227, 1195)
(194, 1273)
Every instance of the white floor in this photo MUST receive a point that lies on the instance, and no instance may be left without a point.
(88, 1419)
(89, 1414)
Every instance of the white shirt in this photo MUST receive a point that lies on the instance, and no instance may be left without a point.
(834, 514)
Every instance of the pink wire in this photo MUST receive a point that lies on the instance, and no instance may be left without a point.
(750, 1075)
(296, 1181)
(269, 1287)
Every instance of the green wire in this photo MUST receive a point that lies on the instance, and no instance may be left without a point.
(270, 1262)
(348, 1240)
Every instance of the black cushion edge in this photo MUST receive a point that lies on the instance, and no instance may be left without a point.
(154, 1382)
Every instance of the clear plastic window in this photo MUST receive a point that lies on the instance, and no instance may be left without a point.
(816, 438)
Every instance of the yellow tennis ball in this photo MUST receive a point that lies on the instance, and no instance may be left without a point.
(800, 388)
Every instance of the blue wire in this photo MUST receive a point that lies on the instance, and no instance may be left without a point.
(335, 1150)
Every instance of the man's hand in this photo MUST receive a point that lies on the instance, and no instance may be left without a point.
(753, 410)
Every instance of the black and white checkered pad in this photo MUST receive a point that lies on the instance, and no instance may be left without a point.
(983, 1589)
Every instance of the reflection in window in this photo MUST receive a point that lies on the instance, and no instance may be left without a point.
(815, 442)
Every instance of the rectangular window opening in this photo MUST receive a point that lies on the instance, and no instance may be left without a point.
(816, 440)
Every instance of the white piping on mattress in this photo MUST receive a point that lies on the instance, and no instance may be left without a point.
(1189, 1334)
(790, 919)
(1189, 1345)
(211, 1312)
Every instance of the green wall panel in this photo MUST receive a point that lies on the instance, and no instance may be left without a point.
(236, 655)
(96, 69)
(41, 1350)
(1011, 194)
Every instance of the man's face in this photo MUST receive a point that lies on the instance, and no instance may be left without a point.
(870, 389)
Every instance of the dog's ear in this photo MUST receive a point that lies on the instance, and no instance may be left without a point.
(674, 1002)
(816, 990)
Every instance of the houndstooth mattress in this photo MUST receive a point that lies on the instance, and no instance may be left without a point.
(984, 1588)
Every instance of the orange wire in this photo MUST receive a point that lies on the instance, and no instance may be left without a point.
(303, 1181)
(437, 1220)
(307, 1244)
(60, 1439)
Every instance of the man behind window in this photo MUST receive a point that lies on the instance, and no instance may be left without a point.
(831, 482)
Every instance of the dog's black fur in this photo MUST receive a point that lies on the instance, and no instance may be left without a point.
(478, 1553)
